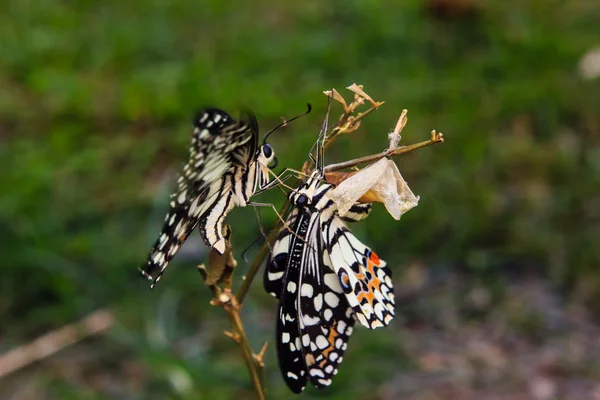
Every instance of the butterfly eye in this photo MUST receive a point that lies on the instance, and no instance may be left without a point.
(267, 150)
(301, 200)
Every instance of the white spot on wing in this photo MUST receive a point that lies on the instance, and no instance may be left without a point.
(306, 290)
(322, 342)
(341, 327)
(291, 287)
(292, 375)
(319, 302)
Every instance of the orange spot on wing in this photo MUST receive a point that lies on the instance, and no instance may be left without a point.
(346, 280)
(373, 284)
(374, 258)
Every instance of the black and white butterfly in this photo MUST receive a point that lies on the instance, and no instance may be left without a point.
(325, 279)
(225, 168)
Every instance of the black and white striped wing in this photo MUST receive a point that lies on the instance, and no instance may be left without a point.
(279, 256)
(325, 317)
(364, 277)
(358, 212)
(219, 145)
(289, 345)
(308, 294)
(337, 325)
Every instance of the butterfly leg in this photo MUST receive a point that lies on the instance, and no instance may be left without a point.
(281, 178)
(255, 204)
(285, 224)
(278, 180)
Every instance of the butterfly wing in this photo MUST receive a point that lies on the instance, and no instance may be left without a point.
(309, 301)
(289, 347)
(278, 258)
(219, 145)
(305, 341)
(325, 317)
(337, 323)
(358, 212)
(364, 277)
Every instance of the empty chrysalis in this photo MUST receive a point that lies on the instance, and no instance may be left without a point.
(380, 182)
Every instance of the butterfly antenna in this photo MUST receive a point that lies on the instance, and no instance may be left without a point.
(284, 123)
(247, 250)
(263, 236)
(321, 140)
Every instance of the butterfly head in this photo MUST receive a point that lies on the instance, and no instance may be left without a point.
(266, 156)
(303, 196)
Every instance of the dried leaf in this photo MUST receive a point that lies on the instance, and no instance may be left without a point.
(380, 182)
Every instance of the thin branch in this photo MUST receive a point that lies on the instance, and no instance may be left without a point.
(255, 368)
(347, 122)
(94, 324)
(225, 299)
(435, 138)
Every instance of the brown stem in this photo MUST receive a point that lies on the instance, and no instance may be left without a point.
(343, 126)
(439, 138)
(44, 346)
(226, 300)
(254, 368)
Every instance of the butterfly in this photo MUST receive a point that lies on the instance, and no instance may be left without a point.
(325, 280)
(226, 167)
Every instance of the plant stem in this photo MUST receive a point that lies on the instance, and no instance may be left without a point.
(254, 368)
(226, 300)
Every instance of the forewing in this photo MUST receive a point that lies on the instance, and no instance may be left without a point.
(219, 140)
(289, 347)
(358, 212)
(309, 302)
(363, 276)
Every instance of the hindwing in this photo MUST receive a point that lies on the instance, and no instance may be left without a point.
(364, 277)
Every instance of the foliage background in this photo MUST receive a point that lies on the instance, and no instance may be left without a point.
(96, 101)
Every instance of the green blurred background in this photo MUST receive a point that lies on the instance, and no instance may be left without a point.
(496, 273)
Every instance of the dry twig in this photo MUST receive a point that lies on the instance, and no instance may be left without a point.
(50, 343)
(225, 299)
